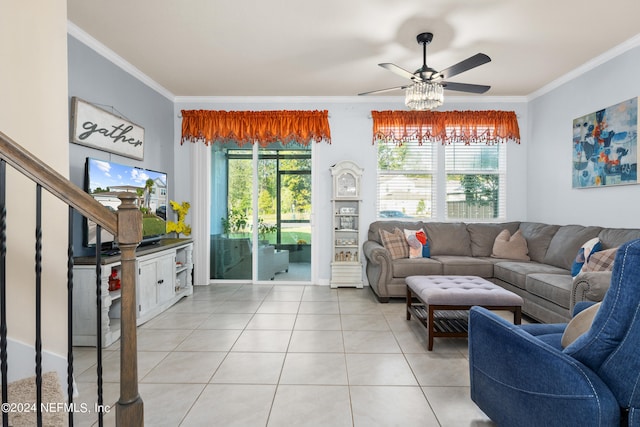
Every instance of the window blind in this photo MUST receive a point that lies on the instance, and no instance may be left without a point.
(406, 180)
(475, 181)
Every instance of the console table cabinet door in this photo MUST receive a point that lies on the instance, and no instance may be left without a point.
(156, 283)
(166, 272)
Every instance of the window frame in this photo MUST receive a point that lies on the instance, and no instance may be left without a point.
(439, 179)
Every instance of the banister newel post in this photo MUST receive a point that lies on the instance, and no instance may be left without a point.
(129, 409)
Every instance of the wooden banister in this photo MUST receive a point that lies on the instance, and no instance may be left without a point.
(129, 409)
(41, 173)
(126, 226)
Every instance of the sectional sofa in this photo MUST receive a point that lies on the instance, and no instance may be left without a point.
(545, 282)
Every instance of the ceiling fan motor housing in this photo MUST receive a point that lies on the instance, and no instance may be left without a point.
(424, 38)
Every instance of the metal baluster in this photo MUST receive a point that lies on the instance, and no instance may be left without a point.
(3, 289)
(39, 305)
(99, 320)
(70, 318)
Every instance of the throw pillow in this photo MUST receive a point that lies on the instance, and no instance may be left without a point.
(510, 247)
(395, 243)
(426, 248)
(601, 261)
(584, 253)
(417, 240)
(579, 324)
(415, 247)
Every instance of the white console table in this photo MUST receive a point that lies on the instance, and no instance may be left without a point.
(164, 276)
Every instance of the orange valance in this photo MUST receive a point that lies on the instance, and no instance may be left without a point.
(446, 127)
(263, 127)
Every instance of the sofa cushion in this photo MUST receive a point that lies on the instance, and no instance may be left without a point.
(416, 267)
(510, 246)
(448, 238)
(515, 272)
(465, 266)
(552, 287)
(483, 236)
(538, 238)
(614, 237)
(565, 244)
(395, 243)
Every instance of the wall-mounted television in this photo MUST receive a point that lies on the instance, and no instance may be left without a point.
(105, 179)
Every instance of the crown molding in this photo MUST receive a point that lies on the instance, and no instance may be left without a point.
(336, 99)
(101, 49)
(587, 66)
(287, 99)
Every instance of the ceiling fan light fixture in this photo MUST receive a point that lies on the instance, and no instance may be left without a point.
(424, 95)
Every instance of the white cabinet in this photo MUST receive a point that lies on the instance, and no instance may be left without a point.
(164, 276)
(156, 278)
(346, 265)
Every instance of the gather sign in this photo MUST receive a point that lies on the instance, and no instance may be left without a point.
(94, 127)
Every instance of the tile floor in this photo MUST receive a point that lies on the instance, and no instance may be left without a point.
(276, 355)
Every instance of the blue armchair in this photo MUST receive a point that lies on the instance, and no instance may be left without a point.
(521, 375)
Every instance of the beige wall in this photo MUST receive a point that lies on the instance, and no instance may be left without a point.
(34, 113)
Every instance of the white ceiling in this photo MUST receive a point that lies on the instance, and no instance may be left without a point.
(332, 47)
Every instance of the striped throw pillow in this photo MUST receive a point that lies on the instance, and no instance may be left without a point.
(395, 243)
(601, 261)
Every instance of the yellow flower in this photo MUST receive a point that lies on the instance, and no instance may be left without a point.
(179, 227)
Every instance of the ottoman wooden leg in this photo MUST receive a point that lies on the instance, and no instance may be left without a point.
(409, 296)
(430, 327)
(517, 315)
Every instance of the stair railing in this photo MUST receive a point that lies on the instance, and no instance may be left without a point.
(126, 226)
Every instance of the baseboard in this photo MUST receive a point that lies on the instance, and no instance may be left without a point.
(21, 362)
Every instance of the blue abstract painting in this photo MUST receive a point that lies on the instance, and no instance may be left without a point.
(605, 146)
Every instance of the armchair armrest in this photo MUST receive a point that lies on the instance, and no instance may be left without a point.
(517, 379)
(379, 267)
(590, 286)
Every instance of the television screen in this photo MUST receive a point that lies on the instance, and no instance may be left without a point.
(105, 179)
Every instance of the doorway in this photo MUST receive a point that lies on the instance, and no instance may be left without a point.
(261, 213)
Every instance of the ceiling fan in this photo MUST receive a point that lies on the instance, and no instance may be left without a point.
(425, 90)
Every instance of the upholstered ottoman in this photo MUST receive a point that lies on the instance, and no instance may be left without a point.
(443, 302)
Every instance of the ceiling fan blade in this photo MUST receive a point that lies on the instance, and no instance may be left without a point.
(462, 66)
(383, 90)
(398, 70)
(465, 87)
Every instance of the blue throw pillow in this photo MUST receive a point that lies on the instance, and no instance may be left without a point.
(426, 250)
(584, 253)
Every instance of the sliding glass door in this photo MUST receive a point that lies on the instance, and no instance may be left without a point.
(261, 213)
